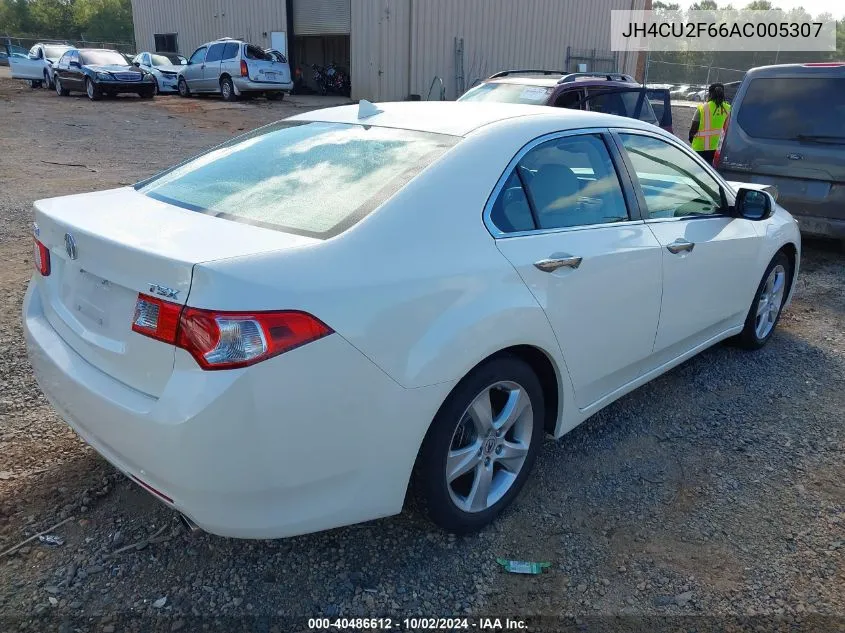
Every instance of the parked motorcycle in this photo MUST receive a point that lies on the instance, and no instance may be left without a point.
(331, 79)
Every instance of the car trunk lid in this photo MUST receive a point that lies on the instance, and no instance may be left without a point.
(108, 247)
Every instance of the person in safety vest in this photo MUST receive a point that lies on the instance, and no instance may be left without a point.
(708, 121)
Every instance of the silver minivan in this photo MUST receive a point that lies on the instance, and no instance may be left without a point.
(787, 129)
(233, 68)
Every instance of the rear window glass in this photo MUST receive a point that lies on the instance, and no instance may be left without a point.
(253, 52)
(633, 104)
(791, 107)
(315, 179)
(508, 93)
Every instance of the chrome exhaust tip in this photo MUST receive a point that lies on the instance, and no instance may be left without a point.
(192, 527)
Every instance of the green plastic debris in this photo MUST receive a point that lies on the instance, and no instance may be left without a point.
(522, 566)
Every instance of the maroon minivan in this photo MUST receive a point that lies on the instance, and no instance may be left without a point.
(611, 93)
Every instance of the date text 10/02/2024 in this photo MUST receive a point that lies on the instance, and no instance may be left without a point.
(417, 624)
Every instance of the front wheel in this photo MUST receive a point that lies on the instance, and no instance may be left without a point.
(147, 94)
(184, 91)
(92, 91)
(47, 83)
(481, 446)
(767, 305)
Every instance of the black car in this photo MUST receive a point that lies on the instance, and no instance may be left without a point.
(99, 72)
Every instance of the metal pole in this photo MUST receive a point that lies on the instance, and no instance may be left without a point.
(647, 64)
(568, 50)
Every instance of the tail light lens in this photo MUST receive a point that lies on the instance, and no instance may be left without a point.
(226, 340)
(244, 69)
(41, 257)
(718, 155)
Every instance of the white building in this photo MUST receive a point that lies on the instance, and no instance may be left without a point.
(398, 48)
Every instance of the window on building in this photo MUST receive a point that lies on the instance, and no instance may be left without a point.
(166, 43)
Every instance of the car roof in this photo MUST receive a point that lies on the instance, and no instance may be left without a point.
(551, 82)
(459, 118)
(793, 69)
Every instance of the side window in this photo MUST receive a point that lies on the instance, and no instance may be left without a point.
(35, 52)
(145, 60)
(562, 183)
(573, 99)
(199, 56)
(672, 182)
(231, 50)
(215, 53)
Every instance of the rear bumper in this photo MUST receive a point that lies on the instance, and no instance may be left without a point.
(313, 439)
(243, 84)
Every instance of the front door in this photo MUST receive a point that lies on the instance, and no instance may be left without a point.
(562, 220)
(211, 69)
(709, 277)
(193, 71)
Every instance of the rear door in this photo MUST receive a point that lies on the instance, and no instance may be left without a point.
(211, 68)
(632, 103)
(789, 131)
(661, 103)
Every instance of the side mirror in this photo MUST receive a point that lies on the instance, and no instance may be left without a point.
(752, 204)
(136, 64)
(75, 64)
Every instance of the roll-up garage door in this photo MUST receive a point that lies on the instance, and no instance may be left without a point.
(322, 17)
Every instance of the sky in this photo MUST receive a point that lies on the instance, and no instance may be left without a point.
(814, 7)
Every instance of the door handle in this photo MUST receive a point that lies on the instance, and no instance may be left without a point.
(552, 264)
(680, 246)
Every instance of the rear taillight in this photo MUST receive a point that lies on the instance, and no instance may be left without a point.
(156, 318)
(718, 155)
(226, 340)
(244, 69)
(41, 257)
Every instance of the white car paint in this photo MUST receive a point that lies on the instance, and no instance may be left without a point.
(166, 76)
(39, 63)
(418, 292)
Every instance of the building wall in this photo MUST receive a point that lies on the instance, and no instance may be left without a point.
(399, 46)
(199, 21)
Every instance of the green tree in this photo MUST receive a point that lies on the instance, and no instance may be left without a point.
(104, 19)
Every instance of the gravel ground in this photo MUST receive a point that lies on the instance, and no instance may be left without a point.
(716, 490)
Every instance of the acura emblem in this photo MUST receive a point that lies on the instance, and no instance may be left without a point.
(70, 246)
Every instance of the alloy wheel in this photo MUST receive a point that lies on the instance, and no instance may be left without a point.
(89, 89)
(770, 302)
(58, 85)
(489, 446)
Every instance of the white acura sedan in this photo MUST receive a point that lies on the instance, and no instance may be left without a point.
(281, 335)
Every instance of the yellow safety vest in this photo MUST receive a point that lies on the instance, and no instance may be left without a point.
(711, 120)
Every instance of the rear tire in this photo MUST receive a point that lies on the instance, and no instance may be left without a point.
(481, 445)
(62, 92)
(47, 83)
(765, 311)
(227, 89)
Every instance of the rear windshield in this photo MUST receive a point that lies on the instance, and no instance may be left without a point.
(315, 179)
(793, 107)
(253, 52)
(508, 93)
(633, 104)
